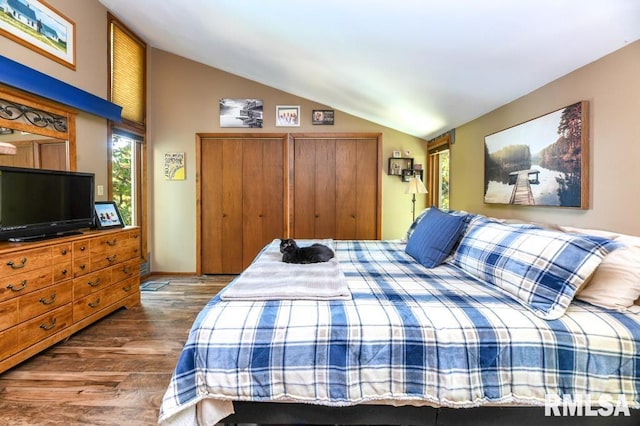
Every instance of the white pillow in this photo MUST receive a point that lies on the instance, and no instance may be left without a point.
(615, 284)
(585, 231)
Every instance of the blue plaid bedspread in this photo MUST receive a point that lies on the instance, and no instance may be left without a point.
(410, 335)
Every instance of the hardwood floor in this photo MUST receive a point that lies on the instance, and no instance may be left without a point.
(114, 372)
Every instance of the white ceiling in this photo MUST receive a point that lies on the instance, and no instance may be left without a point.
(418, 66)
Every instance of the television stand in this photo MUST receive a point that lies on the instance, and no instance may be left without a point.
(41, 237)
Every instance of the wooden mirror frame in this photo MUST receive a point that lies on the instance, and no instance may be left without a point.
(37, 103)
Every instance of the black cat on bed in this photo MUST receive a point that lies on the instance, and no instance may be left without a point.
(315, 253)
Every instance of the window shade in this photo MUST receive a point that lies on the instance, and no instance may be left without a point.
(128, 74)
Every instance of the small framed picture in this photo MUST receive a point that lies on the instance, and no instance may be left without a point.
(397, 154)
(322, 117)
(107, 215)
(287, 116)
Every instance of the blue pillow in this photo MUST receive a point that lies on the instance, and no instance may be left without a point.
(434, 237)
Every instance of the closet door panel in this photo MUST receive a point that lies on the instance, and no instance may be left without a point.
(304, 189)
(325, 188)
(346, 189)
(231, 181)
(366, 197)
(221, 210)
(263, 172)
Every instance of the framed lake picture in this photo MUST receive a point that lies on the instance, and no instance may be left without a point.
(542, 162)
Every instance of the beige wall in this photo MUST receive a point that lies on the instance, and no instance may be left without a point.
(612, 87)
(183, 101)
(90, 75)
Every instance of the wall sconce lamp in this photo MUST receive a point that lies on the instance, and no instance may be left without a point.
(414, 187)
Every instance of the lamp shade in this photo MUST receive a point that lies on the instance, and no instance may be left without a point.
(416, 186)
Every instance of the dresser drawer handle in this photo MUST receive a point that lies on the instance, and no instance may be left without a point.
(127, 288)
(83, 266)
(83, 248)
(46, 327)
(112, 242)
(23, 285)
(112, 259)
(127, 270)
(48, 302)
(94, 304)
(94, 283)
(22, 263)
(64, 272)
(63, 252)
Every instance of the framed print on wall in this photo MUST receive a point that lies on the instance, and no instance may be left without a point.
(287, 116)
(542, 162)
(41, 28)
(322, 117)
(241, 112)
(174, 166)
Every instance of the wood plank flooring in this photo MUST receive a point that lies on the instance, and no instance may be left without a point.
(115, 371)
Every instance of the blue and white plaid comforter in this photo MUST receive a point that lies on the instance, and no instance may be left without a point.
(409, 334)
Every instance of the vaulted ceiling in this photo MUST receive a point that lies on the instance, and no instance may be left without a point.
(418, 66)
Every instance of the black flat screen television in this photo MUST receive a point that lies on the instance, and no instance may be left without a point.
(39, 204)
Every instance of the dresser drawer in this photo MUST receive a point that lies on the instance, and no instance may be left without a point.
(60, 252)
(62, 271)
(81, 266)
(45, 300)
(81, 248)
(8, 314)
(126, 270)
(14, 285)
(45, 325)
(24, 261)
(91, 283)
(95, 302)
(109, 243)
(9, 342)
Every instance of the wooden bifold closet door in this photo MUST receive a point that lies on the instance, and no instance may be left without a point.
(242, 199)
(254, 188)
(336, 187)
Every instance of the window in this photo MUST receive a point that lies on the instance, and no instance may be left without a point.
(127, 161)
(438, 170)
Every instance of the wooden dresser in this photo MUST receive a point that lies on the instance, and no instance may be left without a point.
(50, 289)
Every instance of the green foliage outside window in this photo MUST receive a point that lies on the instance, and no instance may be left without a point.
(121, 177)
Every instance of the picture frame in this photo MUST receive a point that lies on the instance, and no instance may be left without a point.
(322, 117)
(397, 154)
(107, 215)
(175, 166)
(287, 116)
(397, 165)
(541, 162)
(241, 112)
(41, 28)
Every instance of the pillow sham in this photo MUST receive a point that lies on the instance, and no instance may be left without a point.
(616, 282)
(434, 237)
(540, 269)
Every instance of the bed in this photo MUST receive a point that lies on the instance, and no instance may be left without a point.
(490, 325)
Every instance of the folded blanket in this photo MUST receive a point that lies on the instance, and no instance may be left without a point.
(269, 278)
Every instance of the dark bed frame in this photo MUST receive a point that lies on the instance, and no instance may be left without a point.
(300, 414)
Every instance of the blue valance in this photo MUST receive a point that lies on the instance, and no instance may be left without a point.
(22, 77)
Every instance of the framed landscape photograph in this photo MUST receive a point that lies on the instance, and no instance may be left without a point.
(41, 28)
(241, 112)
(542, 162)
